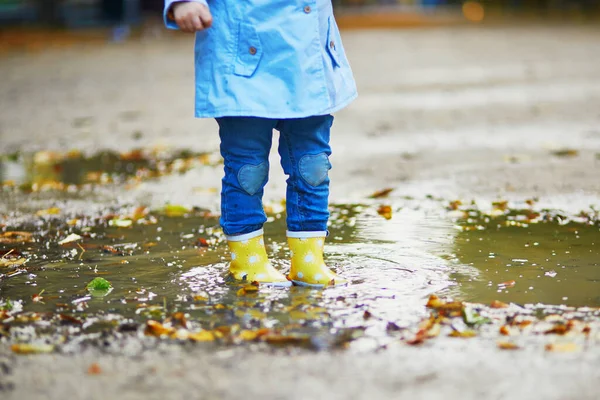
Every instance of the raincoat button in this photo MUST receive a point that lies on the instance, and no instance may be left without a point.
(252, 50)
(307, 9)
(332, 45)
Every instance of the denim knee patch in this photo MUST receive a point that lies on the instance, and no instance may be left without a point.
(252, 177)
(313, 168)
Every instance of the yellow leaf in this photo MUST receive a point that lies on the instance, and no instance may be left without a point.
(24, 348)
(463, 334)
(49, 211)
(12, 262)
(202, 336)
(249, 335)
(172, 210)
(562, 347)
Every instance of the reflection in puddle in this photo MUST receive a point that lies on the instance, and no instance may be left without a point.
(51, 170)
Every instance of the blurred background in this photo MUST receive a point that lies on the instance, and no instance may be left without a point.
(87, 13)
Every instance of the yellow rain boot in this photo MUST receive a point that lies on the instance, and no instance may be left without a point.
(308, 267)
(249, 261)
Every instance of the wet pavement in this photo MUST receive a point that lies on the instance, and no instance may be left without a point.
(491, 158)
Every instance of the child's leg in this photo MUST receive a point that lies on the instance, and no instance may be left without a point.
(304, 149)
(245, 145)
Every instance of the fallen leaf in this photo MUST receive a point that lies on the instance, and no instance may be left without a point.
(172, 210)
(472, 318)
(25, 348)
(565, 153)
(505, 330)
(155, 328)
(385, 212)
(508, 346)
(436, 303)
(70, 319)
(49, 211)
(463, 334)
(71, 238)
(94, 369)
(99, 284)
(12, 262)
(454, 205)
(277, 339)
(248, 289)
(202, 242)
(202, 336)
(16, 237)
(248, 335)
(381, 193)
(498, 304)
(562, 347)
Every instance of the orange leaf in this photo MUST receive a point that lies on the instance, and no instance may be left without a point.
(94, 369)
(385, 212)
(498, 304)
(507, 346)
(155, 328)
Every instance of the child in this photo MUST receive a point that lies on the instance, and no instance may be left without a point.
(264, 65)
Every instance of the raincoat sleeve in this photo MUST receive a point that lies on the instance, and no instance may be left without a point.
(168, 3)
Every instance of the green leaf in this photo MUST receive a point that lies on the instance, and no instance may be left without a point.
(99, 286)
(472, 318)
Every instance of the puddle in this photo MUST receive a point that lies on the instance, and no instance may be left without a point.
(173, 262)
(547, 260)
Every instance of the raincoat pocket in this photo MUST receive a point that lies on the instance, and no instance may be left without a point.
(332, 42)
(249, 50)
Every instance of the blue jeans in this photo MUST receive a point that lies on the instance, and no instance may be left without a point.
(304, 150)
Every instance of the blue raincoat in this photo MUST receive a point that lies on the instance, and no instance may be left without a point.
(271, 59)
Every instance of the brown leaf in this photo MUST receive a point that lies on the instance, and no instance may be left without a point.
(559, 329)
(381, 193)
(437, 304)
(565, 153)
(278, 339)
(498, 304)
(68, 319)
(508, 346)
(454, 205)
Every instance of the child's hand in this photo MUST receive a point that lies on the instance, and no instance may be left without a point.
(191, 16)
